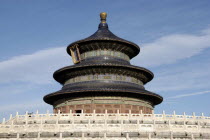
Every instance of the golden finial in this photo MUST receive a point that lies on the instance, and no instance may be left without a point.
(103, 16)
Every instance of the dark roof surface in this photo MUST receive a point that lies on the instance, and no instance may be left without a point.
(103, 33)
(141, 94)
(77, 68)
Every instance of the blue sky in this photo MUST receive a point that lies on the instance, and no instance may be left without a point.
(174, 37)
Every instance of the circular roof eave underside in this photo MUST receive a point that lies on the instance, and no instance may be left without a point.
(57, 74)
(134, 46)
(153, 97)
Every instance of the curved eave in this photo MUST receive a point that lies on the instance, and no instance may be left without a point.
(134, 46)
(59, 72)
(153, 97)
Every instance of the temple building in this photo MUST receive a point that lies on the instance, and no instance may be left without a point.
(102, 77)
(103, 98)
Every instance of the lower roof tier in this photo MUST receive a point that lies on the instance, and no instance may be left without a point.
(103, 90)
(66, 73)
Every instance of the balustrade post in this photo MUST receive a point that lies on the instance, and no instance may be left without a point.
(47, 112)
(94, 114)
(17, 115)
(192, 137)
(10, 117)
(83, 136)
(129, 114)
(149, 135)
(118, 114)
(164, 114)
(174, 114)
(141, 113)
(70, 114)
(26, 117)
(37, 113)
(118, 111)
(127, 136)
(58, 117)
(169, 124)
(106, 115)
(3, 121)
(193, 115)
(153, 114)
(61, 135)
(38, 135)
(41, 125)
(202, 114)
(89, 128)
(184, 114)
(171, 135)
(104, 135)
(18, 135)
(105, 123)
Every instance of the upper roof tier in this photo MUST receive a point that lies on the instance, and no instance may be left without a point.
(104, 39)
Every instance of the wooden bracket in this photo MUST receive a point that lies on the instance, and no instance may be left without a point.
(75, 54)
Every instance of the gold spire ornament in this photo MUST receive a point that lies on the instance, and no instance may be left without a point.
(103, 16)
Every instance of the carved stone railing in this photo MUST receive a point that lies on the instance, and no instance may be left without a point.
(120, 126)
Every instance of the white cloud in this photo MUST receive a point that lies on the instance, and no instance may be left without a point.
(190, 94)
(181, 77)
(34, 68)
(172, 48)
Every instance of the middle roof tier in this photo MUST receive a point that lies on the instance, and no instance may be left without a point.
(64, 74)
